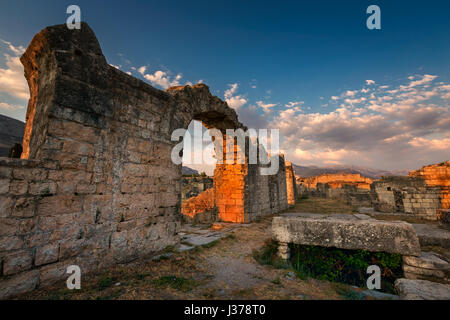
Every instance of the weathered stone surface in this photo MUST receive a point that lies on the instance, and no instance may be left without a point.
(422, 290)
(432, 235)
(426, 260)
(346, 232)
(17, 262)
(47, 254)
(19, 284)
(429, 266)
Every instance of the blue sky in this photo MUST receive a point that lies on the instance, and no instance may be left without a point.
(279, 65)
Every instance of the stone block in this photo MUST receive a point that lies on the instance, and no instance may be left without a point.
(47, 254)
(4, 186)
(426, 260)
(10, 243)
(24, 207)
(17, 262)
(5, 206)
(19, 284)
(346, 232)
(422, 290)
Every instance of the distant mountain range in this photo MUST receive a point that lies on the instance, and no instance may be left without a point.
(11, 132)
(188, 171)
(310, 171)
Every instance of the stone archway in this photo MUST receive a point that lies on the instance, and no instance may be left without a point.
(96, 185)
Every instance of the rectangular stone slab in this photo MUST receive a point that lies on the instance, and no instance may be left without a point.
(346, 233)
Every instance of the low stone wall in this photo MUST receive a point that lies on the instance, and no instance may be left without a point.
(52, 217)
(437, 175)
(192, 186)
(243, 195)
(406, 194)
(349, 194)
(200, 209)
(337, 180)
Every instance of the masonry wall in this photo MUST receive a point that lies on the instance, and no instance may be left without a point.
(408, 195)
(291, 184)
(337, 180)
(194, 185)
(98, 186)
(437, 175)
(200, 209)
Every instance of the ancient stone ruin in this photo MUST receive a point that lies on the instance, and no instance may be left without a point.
(353, 189)
(96, 185)
(425, 193)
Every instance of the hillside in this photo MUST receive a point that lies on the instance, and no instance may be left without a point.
(310, 171)
(11, 131)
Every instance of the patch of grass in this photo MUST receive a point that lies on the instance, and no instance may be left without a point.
(276, 281)
(211, 244)
(141, 276)
(105, 282)
(321, 205)
(169, 249)
(177, 283)
(231, 236)
(268, 256)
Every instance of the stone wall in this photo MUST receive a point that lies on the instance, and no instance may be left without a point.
(406, 194)
(192, 186)
(437, 175)
(291, 184)
(96, 185)
(349, 194)
(200, 209)
(251, 194)
(337, 180)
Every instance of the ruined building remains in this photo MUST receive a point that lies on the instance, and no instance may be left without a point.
(337, 180)
(204, 207)
(96, 185)
(425, 193)
(192, 186)
(353, 189)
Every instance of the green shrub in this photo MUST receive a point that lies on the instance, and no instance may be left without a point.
(105, 282)
(347, 266)
(178, 283)
(332, 264)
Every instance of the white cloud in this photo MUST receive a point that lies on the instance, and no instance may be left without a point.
(12, 79)
(370, 82)
(234, 101)
(160, 78)
(10, 107)
(16, 50)
(380, 131)
(266, 106)
(142, 70)
(425, 79)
